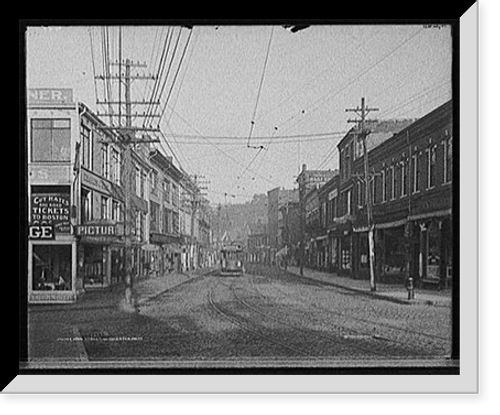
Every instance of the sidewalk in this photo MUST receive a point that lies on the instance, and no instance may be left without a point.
(389, 292)
(54, 336)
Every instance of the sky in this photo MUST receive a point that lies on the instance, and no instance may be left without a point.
(248, 105)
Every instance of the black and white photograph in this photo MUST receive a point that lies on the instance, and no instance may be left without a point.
(224, 197)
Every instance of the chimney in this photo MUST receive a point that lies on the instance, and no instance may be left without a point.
(304, 167)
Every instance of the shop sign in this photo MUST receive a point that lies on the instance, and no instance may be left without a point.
(150, 247)
(53, 210)
(96, 230)
(41, 232)
(50, 95)
(332, 194)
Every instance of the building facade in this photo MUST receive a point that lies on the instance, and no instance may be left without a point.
(76, 204)
(52, 133)
(100, 199)
(276, 198)
(328, 241)
(309, 181)
(350, 191)
(411, 187)
(164, 227)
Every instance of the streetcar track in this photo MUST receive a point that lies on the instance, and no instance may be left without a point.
(377, 323)
(245, 326)
(358, 333)
(307, 333)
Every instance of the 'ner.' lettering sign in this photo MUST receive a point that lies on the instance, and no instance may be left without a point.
(50, 95)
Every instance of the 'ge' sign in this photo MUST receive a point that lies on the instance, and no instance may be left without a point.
(41, 232)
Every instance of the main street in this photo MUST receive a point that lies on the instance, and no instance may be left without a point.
(266, 316)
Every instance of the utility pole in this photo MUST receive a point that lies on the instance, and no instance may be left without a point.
(127, 137)
(363, 132)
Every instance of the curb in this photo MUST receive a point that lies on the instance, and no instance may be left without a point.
(372, 294)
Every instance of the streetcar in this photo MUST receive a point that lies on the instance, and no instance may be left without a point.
(232, 260)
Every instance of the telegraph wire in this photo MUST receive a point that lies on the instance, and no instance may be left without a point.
(271, 109)
(159, 76)
(152, 58)
(172, 58)
(431, 88)
(325, 98)
(272, 138)
(93, 64)
(191, 53)
(176, 73)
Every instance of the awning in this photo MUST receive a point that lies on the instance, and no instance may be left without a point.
(438, 213)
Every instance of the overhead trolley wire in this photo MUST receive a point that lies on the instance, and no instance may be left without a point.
(219, 149)
(252, 121)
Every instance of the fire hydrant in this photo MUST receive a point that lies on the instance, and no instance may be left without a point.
(411, 288)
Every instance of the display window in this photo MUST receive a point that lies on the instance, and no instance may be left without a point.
(52, 268)
(433, 251)
(94, 269)
(395, 251)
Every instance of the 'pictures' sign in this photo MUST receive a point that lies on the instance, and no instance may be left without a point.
(53, 210)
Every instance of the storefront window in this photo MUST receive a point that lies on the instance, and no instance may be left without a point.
(395, 251)
(433, 251)
(93, 266)
(52, 267)
(346, 253)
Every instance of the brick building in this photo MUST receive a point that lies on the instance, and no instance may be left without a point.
(411, 187)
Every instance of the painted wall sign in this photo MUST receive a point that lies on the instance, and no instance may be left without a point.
(52, 210)
(41, 232)
(50, 96)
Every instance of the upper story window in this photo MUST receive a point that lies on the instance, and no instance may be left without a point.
(392, 172)
(104, 207)
(86, 206)
(404, 178)
(166, 191)
(116, 211)
(154, 181)
(384, 186)
(86, 147)
(50, 140)
(431, 167)
(140, 182)
(115, 166)
(448, 158)
(105, 161)
(175, 195)
(415, 174)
